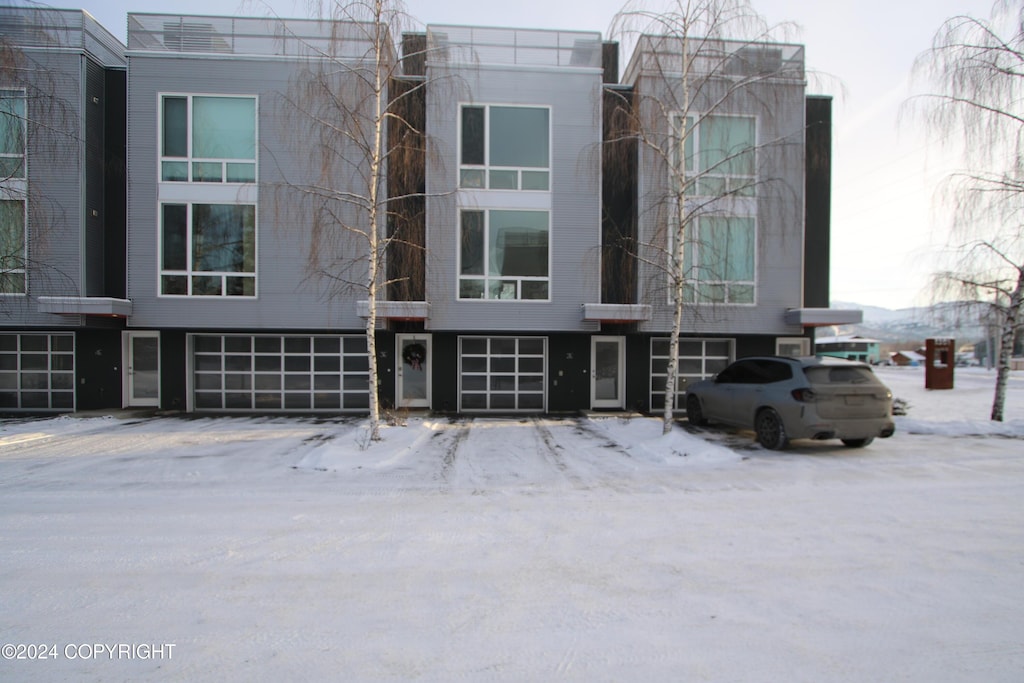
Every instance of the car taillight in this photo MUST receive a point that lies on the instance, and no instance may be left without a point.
(803, 395)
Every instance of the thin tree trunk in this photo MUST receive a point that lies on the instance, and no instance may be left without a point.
(672, 381)
(1006, 335)
(376, 165)
(678, 274)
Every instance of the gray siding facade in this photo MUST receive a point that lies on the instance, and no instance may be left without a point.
(287, 297)
(54, 223)
(573, 95)
(777, 106)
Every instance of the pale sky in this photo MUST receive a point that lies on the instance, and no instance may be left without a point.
(886, 222)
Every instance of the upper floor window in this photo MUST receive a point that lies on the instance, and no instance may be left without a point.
(719, 155)
(505, 148)
(12, 134)
(207, 139)
(12, 246)
(720, 258)
(208, 249)
(503, 255)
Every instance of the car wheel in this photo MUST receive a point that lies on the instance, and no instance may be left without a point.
(694, 414)
(771, 433)
(857, 443)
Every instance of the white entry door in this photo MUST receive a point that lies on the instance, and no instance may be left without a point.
(607, 372)
(412, 388)
(142, 369)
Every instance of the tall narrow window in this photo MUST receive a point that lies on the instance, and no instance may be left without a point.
(12, 134)
(504, 255)
(208, 250)
(505, 148)
(208, 139)
(12, 247)
(12, 192)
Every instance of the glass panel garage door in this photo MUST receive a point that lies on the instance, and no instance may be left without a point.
(37, 372)
(502, 374)
(304, 373)
(698, 358)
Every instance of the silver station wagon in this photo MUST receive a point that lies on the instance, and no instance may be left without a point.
(795, 398)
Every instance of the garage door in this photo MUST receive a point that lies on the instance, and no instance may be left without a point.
(301, 373)
(37, 372)
(502, 374)
(698, 358)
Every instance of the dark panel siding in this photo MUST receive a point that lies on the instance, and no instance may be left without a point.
(98, 369)
(173, 370)
(568, 373)
(817, 231)
(94, 256)
(115, 183)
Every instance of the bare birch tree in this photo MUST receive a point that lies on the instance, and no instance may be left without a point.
(705, 63)
(360, 117)
(974, 73)
(37, 120)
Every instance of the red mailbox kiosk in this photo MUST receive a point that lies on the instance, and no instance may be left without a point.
(940, 357)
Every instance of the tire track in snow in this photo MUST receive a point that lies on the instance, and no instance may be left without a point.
(591, 457)
(458, 429)
(553, 453)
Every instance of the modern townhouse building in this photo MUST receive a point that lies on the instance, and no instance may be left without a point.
(731, 117)
(521, 283)
(220, 237)
(62, 197)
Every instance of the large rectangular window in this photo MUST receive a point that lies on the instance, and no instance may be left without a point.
(12, 134)
(720, 257)
(505, 148)
(12, 246)
(503, 255)
(719, 155)
(208, 249)
(207, 139)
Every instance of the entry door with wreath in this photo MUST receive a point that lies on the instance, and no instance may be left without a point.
(413, 386)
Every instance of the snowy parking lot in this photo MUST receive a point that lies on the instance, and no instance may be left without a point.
(533, 549)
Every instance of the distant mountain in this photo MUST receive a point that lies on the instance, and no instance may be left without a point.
(958, 321)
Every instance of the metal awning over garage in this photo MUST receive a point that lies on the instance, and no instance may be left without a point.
(823, 317)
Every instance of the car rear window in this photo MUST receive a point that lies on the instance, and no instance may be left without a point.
(840, 375)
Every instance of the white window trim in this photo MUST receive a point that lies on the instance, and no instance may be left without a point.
(486, 168)
(16, 190)
(459, 277)
(189, 159)
(18, 184)
(693, 280)
(16, 196)
(697, 281)
(803, 342)
(189, 272)
(679, 145)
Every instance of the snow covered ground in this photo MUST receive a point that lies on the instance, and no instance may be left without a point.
(269, 549)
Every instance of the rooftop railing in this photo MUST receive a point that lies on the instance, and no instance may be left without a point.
(663, 55)
(520, 47)
(38, 27)
(253, 36)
